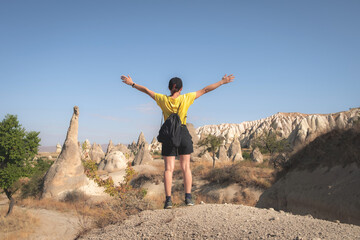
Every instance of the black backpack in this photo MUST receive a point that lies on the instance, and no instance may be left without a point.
(170, 131)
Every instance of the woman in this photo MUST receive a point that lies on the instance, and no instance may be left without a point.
(180, 104)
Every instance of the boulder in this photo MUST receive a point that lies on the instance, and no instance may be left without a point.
(96, 153)
(114, 161)
(256, 155)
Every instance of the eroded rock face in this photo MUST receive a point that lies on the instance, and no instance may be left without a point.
(197, 155)
(141, 139)
(110, 147)
(235, 153)
(222, 154)
(67, 172)
(155, 145)
(58, 148)
(298, 128)
(114, 161)
(256, 156)
(143, 156)
(322, 179)
(96, 153)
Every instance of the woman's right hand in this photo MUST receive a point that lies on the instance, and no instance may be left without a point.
(227, 79)
(127, 80)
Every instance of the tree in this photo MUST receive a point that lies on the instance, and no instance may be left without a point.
(17, 149)
(269, 143)
(212, 144)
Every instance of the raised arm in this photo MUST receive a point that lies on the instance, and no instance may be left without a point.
(127, 80)
(225, 79)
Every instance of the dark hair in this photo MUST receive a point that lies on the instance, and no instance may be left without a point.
(175, 84)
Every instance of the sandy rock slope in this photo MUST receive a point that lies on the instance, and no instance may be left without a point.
(225, 221)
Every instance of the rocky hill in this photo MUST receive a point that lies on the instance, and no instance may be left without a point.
(322, 179)
(298, 128)
(223, 221)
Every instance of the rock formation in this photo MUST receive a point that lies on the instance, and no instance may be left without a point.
(322, 179)
(197, 154)
(141, 140)
(155, 146)
(122, 148)
(96, 153)
(222, 154)
(110, 147)
(86, 146)
(58, 148)
(67, 172)
(298, 128)
(143, 155)
(256, 155)
(235, 153)
(114, 161)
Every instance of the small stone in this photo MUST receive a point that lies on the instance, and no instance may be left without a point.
(337, 221)
(202, 202)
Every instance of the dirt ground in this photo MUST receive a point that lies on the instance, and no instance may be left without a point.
(52, 224)
(224, 221)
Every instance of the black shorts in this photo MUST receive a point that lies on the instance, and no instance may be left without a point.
(186, 145)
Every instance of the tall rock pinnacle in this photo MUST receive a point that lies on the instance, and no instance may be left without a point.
(67, 172)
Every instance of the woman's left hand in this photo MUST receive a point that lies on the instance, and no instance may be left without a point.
(127, 80)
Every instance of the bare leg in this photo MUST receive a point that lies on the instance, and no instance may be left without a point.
(185, 166)
(168, 174)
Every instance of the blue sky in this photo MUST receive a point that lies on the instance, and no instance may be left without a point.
(287, 56)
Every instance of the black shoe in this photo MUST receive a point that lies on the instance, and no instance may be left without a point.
(189, 202)
(168, 205)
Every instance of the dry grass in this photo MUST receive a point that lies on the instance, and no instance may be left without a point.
(245, 176)
(19, 225)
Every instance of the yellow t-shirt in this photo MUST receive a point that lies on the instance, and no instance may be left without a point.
(170, 105)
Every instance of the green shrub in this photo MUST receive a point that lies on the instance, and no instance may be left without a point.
(34, 186)
(246, 155)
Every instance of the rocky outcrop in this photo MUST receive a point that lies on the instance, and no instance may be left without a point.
(322, 179)
(143, 156)
(155, 146)
(110, 147)
(298, 128)
(141, 140)
(222, 154)
(96, 153)
(85, 150)
(122, 148)
(256, 155)
(199, 154)
(67, 172)
(235, 153)
(58, 148)
(114, 161)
